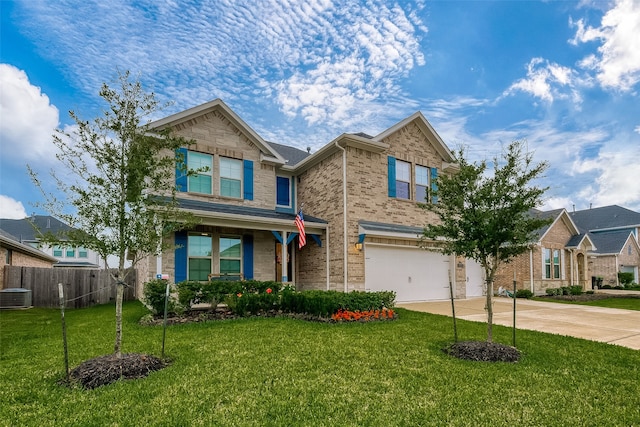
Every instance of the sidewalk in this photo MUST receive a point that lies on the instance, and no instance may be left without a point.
(609, 325)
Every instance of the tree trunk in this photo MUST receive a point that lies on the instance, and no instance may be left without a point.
(489, 309)
(119, 297)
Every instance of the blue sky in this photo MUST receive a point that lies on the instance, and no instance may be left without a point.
(562, 75)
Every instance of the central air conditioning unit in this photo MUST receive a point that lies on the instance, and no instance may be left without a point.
(15, 298)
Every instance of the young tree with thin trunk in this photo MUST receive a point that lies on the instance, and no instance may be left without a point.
(118, 183)
(488, 216)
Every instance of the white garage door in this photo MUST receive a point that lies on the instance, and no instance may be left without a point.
(475, 281)
(414, 274)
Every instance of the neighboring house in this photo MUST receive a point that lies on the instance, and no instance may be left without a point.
(615, 232)
(359, 195)
(12, 252)
(558, 257)
(29, 231)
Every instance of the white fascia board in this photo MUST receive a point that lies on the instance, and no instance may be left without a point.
(253, 222)
(26, 249)
(389, 234)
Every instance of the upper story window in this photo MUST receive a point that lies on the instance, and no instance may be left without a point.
(403, 179)
(422, 183)
(200, 182)
(57, 251)
(230, 177)
(283, 191)
(70, 253)
(411, 182)
(82, 253)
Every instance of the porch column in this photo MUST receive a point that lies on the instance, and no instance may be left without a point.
(284, 257)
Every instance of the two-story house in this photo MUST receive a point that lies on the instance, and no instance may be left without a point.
(29, 231)
(359, 195)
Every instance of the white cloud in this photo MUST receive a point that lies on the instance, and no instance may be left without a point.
(617, 64)
(547, 81)
(11, 208)
(637, 129)
(28, 119)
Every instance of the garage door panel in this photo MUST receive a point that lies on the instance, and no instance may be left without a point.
(414, 274)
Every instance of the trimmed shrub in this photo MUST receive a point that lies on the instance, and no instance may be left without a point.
(155, 292)
(524, 293)
(575, 290)
(625, 279)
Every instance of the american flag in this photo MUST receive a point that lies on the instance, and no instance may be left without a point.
(302, 237)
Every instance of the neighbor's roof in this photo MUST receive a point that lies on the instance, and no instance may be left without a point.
(610, 243)
(32, 228)
(605, 218)
(12, 242)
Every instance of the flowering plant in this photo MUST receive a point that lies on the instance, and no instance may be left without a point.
(367, 315)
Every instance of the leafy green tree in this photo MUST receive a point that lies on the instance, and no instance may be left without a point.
(488, 216)
(117, 183)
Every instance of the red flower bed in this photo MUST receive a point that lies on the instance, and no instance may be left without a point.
(363, 316)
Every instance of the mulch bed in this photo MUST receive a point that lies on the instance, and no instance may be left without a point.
(483, 351)
(108, 369)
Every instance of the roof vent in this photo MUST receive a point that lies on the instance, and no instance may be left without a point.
(15, 298)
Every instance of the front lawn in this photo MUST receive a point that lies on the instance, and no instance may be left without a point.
(627, 303)
(284, 372)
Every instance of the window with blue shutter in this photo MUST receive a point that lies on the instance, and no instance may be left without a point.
(181, 169)
(434, 185)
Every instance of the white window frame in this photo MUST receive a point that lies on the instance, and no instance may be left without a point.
(420, 184)
(230, 178)
(199, 256)
(221, 258)
(204, 173)
(403, 178)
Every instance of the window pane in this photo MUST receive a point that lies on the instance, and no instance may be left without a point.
(230, 168)
(199, 160)
(82, 253)
(283, 192)
(403, 171)
(547, 256)
(547, 271)
(229, 247)
(70, 253)
(402, 190)
(199, 268)
(421, 193)
(57, 251)
(199, 246)
(229, 266)
(229, 187)
(200, 184)
(422, 176)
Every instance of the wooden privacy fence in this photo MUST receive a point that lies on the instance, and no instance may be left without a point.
(82, 287)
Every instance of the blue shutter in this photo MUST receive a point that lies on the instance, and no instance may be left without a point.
(181, 169)
(247, 256)
(392, 176)
(181, 240)
(248, 180)
(434, 185)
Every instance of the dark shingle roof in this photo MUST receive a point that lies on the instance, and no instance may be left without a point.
(292, 155)
(30, 229)
(363, 135)
(605, 217)
(544, 215)
(611, 242)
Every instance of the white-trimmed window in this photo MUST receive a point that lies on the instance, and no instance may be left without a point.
(551, 263)
(230, 255)
(70, 253)
(200, 182)
(199, 248)
(403, 180)
(57, 251)
(422, 183)
(230, 177)
(82, 252)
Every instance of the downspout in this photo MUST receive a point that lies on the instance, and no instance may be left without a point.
(617, 269)
(344, 214)
(531, 269)
(328, 255)
(572, 261)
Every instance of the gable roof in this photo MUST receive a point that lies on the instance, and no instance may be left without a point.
(611, 243)
(556, 215)
(32, 228)
(267, 151)
(426, 128)
(606, 218)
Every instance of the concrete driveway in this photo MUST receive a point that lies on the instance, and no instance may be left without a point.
(609, 325)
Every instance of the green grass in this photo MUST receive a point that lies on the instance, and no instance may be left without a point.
(285, 372)
(614, 302)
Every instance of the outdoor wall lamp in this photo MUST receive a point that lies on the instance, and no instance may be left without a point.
(358, 246)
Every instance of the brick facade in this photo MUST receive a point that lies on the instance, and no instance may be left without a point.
(13, 257)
